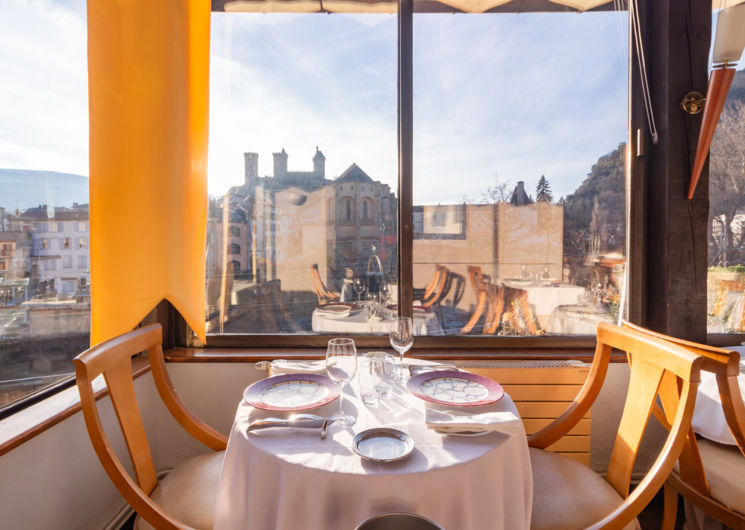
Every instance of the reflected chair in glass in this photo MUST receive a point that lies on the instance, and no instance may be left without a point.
(324, 295)
(567, 494)
(479, 288)
(437, 289)
(186, 496)
(398, 521)
(709, 474)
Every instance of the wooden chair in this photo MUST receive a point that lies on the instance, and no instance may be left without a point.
(709, 474)
(567, 494)
(324, 295)
(185, 498)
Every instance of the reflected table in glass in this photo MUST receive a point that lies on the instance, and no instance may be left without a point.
(358, 323)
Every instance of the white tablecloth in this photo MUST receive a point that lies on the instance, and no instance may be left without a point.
(708, 417)
(424, 324)
(291, 479)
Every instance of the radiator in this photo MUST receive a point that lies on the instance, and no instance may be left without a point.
(542, 390)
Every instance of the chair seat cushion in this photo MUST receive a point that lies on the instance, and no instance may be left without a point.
(568, 495)
(188, 493)
(725, 469)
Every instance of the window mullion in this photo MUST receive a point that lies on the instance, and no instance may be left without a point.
(405, 157)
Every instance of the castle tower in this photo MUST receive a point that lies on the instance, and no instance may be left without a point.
(319, 164)
(251, 166)
(280, 164)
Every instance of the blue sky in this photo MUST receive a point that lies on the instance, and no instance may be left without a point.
(496, 96)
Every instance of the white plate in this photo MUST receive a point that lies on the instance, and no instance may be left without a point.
(383, 445)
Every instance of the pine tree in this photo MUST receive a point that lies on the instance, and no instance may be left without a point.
(543, 190)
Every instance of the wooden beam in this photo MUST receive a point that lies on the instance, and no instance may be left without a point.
(677, 36)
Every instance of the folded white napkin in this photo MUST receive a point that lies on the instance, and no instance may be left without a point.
(282, 366)
(456, 421)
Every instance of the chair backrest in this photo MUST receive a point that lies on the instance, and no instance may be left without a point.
(440, 287)
(476, 277)
(399, 521)
(658, 369)
(725, 364)
(322, 291)
(113, 360)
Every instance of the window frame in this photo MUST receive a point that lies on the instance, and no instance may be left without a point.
(482, 344)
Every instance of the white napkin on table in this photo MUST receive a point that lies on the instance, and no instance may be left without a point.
(282, 366)
(455, 421)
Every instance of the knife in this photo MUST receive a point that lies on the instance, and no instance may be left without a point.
(415, 369)
(306, 421)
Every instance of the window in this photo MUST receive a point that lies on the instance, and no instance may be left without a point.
(82, 242)
(45, 130)
(81, 227)
(299, 202)
(65, 243)
(726, 235)
(526, 203)
(519, 196)
(235, 249)
(83, 264)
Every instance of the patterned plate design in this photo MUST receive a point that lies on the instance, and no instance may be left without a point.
(453, 387)
(291, 392)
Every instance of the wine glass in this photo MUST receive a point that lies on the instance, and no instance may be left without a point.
(341, 365)
(402, 338)
(359, 287)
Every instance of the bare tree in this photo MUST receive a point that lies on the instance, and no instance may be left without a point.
(727, 180)
(499, 192)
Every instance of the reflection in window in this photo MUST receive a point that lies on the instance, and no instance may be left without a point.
(44, 313)
(297, 203)
(519, 198)
(726, 236)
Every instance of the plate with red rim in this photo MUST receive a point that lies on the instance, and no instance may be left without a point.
(291, 392)
(455, 388)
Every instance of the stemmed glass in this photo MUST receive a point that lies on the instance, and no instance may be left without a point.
(341, 365)
(402, 338)
(359, 287)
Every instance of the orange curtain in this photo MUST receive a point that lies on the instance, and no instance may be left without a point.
(148, 74)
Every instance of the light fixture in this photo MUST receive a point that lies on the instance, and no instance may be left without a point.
(728, 47)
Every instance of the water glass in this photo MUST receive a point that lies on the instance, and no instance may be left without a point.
(402, 338)
(376, 375)
(341, 365)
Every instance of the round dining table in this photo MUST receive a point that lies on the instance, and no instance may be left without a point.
(289, 478)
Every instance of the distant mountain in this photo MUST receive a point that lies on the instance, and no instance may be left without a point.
(24, 188)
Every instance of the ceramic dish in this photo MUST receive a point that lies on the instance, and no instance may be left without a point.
(453, 387)
(291, 392)
(382, 445)
(336, 310)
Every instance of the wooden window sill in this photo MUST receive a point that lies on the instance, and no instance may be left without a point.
(25, 424)
(252, 355)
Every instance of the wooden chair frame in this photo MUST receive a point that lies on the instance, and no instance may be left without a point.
(438, 288)
(322, 292)
(113, 359)
(690, 481)
(660, 369)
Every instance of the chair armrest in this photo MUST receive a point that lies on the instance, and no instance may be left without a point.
(581, 404)
(186, 418)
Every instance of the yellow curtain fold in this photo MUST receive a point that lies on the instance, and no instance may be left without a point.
(148, 82)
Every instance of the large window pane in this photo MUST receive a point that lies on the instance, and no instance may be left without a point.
(302, 171)
(519, 131)
(44, 277)
(726, 277)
